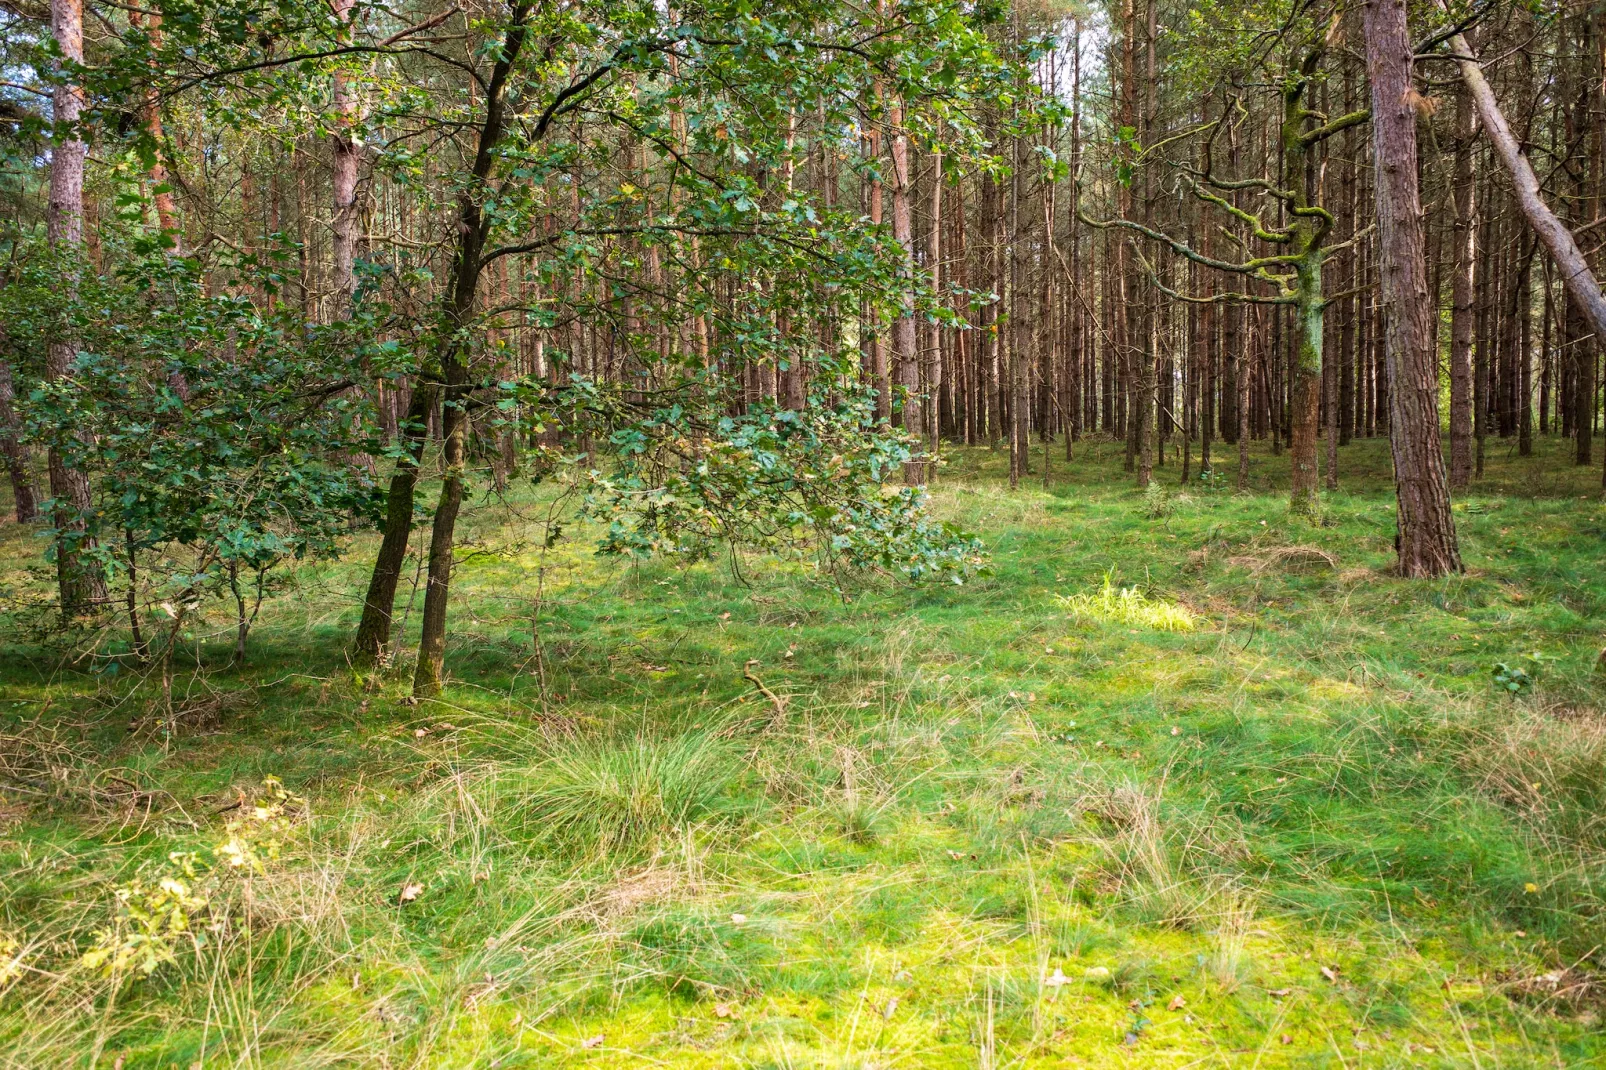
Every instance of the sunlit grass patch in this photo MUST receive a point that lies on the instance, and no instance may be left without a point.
(1130, 607)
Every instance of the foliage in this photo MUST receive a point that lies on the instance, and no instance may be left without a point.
(691, 479)
(1156, 500)
(156, 917)
(1511, 678)
(152, 921)
(222, 439)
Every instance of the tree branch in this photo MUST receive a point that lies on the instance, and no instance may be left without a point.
(1343, 122)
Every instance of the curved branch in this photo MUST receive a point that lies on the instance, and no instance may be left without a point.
(1278, 237)
(1214, 299)
(1343, 122)
(1248, 267)
(328, 53)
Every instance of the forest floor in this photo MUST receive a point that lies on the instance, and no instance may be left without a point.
(1271, 809)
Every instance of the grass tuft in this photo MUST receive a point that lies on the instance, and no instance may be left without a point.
(607, 795)
(1130, 607)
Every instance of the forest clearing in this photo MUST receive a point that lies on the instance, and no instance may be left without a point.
(925, 533)
(981, 826)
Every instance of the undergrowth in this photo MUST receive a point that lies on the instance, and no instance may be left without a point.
(1185, 781)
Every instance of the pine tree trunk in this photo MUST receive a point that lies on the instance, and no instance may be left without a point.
(1243, 367)
(1461, 297)
(931, 357)
(346, 151)
(1427, 538)
(905, 355)
(80, 585)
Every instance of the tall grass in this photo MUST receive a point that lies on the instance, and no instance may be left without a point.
(980, 832)
(604, 795)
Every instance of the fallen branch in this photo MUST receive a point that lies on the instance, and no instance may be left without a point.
(775, 700)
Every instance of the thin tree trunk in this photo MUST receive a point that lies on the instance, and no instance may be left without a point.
(373, 642)
(150, 116)
(80, 585)
(1461, 297)
(347, 154)
(878, 345)
(1245, 366)
(1427, 538)
(18, 463)
(905, 354)
(932, 356)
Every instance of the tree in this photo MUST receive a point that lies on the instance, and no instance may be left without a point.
(80, 585)
(1579, 281)
(1464, 247)
(1426, 540)
(1296, 270)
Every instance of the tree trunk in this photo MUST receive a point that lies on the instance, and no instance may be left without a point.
(429, 674)
(150, 116)
(878, 346)
(1245, 366)
(373, 632)
(932, 357)
(343, 179)
(1461, 296)
(1552, 232)
(905, 354)
(468, 264)
(1304, 496)
(18, 463)
(80, 585)
(1426, 539)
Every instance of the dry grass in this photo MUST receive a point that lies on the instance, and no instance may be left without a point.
(1285, 559)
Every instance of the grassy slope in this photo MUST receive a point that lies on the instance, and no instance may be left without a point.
(970, 789)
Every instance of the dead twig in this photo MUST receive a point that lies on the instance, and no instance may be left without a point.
(775, 700)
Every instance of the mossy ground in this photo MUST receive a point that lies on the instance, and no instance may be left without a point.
(984, 830)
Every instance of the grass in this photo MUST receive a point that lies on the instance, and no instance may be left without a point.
(1018, 823)
(1130, 606)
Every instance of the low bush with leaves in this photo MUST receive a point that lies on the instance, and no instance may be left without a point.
(1511, 678)
(157, 915)
(221, 439)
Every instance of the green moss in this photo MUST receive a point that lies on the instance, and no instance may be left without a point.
(984, 824)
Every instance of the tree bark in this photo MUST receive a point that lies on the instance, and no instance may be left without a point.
(932, 356)
(1552, 232)
(18, 462)
(1461, 297)
(347, 151)
(373, 631)
(878, 346)
(468, 264)
(80, 585)
(1426, 542)
(150, 116)
(1244, 368)
(905, 355)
